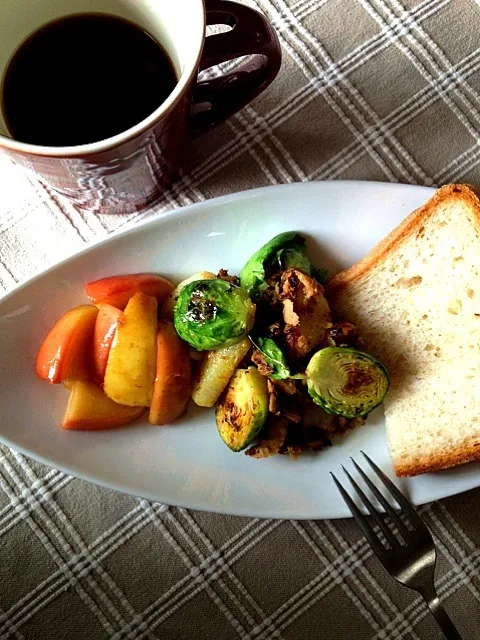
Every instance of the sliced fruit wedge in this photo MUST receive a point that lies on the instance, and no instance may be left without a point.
(117, 290)
(172, 387)
(66, 351)
(105, 326)
(89, 408)
(131, 364)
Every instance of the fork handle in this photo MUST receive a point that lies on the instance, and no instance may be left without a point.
(443, 619)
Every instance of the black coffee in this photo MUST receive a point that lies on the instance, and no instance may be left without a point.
(82, 79)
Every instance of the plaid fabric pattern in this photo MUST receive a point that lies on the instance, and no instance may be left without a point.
(369, 89)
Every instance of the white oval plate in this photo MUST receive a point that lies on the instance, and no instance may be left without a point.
(186, 463)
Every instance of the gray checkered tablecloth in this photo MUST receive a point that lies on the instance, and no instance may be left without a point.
(369, 89)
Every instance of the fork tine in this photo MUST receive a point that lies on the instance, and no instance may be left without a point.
(383, 501)
(405, 504)
(377, 518)
(360, 518)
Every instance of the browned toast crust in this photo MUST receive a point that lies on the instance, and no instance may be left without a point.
(409, 226)
(436, 462)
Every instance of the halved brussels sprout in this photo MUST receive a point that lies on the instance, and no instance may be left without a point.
(167, 308)
(213, 313)
(284, 251)
(242, 410)
(346, 381)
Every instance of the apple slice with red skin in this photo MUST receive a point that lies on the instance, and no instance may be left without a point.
(105, 326)
(66, 350)
(172, 387)
(117, 290)
(89, 408)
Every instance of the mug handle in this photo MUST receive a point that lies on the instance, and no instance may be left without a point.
(251, 33)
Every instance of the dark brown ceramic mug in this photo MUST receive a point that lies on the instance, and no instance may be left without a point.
(131, 170)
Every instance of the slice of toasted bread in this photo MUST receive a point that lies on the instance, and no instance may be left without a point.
(416, 301)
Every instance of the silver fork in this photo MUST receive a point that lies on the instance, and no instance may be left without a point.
(408, 554)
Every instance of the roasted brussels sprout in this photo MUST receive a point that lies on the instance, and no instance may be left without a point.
(242, 410)
(168, 306)
(274, 358)
(346, 381)
(213, 313)
(284, 251)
